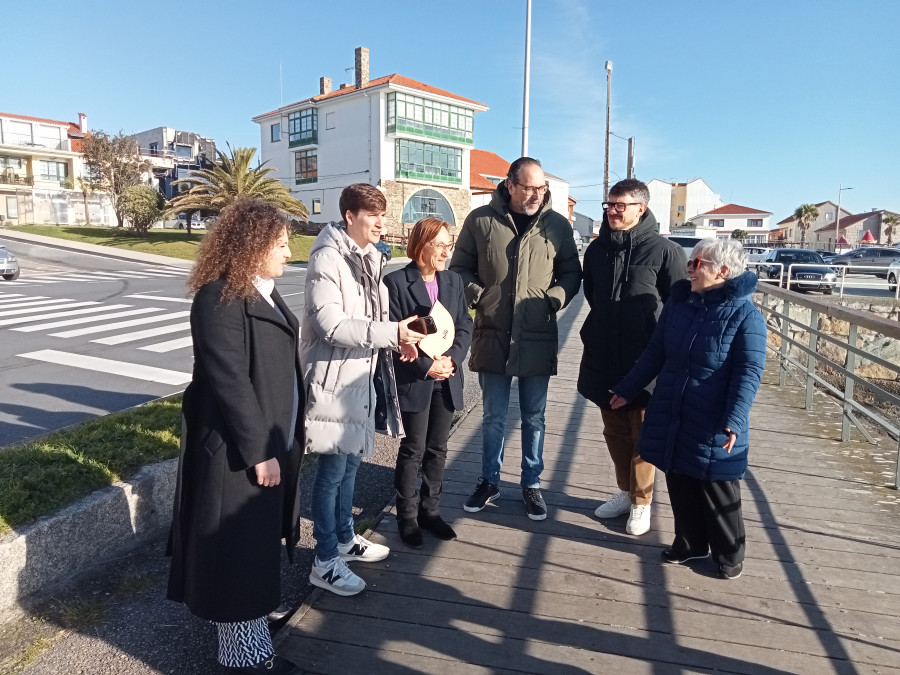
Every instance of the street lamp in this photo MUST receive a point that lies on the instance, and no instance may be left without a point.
(606, 162)
(837, 216)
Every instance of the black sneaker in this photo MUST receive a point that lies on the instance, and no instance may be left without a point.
(726, 572)
(676, 557)
(484, 492)
(534, 503)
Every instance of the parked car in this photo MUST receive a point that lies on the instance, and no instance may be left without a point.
(807, 270)
(9, 266)
(756, 253)
(579, 240)
(862, 260)
(687, 243)
(385, 249)
(893, 274)
(196, 222)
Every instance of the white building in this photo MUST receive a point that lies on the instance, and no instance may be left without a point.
(409, 138)
(723, 221)
(41, 163)
(787, 230)
(174, 154)
(674, 204)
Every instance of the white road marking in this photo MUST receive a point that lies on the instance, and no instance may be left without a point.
(142, 334)
(32, 302)
(169, 345)
(10, 296)
(120, 324)
(10, 300)
(88, 319)
(123, 368)
(57, 315)
(159, 297)
(34, 310)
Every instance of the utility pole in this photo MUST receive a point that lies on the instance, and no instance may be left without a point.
(631, 157)
(527, 78)
(606, 162)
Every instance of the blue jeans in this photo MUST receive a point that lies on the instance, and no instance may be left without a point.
(495, 404)
(332, 503)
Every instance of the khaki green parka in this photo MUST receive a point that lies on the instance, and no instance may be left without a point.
(516, 283)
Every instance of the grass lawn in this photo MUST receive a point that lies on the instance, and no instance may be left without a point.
(173, 243)
(44, 476)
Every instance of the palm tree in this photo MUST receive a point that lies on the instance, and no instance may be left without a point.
(888, 225)
(214, 189)
(805, 215)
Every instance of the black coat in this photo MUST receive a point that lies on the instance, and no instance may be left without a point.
(237, 412)
(408, 296)
(627, 278)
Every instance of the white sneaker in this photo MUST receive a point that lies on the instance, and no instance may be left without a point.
(363, 550)
(334, 575)
(639, 520)
(616, 506)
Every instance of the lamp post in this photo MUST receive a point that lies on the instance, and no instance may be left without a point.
(606, 161)
(837, 216)
(527, 78)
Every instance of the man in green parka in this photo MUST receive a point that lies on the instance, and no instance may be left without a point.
(518, 260)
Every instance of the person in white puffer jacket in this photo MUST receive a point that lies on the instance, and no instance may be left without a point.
(348, 373)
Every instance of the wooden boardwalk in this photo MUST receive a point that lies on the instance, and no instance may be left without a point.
(820, 591)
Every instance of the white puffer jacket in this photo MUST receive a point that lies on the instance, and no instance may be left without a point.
(344, 325)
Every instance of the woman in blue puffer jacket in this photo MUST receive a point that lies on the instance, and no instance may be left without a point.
(707, 355)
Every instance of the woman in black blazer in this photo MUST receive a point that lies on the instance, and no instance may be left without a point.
(242, 438)
(430, 390)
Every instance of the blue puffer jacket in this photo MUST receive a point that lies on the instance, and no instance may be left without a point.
(707, 354)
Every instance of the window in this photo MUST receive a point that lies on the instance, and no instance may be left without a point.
(306, 167)
(303, 127)
(317, 205)
(680, 209)
(154, 149)
(427, 204)
(417, 115)
(276, 132)
(54, 171)
(717, 223)
(329, 120)
(754, 222)
(428, 161)
(184, 151)
(12, 207)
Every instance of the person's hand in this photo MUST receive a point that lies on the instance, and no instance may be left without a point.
(732, 437)
(408, 353)
(268, 473)
(407, 336)
(442, 368)
(617, 401)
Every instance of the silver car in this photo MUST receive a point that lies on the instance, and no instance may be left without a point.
(9, 266)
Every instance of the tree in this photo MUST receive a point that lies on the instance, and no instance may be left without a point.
(112, 164)
(143, 206)
(214, 189)
(805, 214)
(888, 226)
(740, 235)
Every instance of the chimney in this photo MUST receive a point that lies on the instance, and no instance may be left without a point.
(362, 67)
(324, 85)
(344, 86)
(82, 122)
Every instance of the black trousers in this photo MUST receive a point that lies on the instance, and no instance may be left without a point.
(425, 443)
(708, 517)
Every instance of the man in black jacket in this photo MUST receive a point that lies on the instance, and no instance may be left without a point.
(628, 271)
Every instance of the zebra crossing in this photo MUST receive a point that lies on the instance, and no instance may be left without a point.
(128, 322)
(48, 278)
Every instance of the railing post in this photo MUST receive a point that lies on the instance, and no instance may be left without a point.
(848, 383)
(810, 359)
(785, 331)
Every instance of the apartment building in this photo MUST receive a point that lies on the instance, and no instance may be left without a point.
(173, 154)
(674, 204)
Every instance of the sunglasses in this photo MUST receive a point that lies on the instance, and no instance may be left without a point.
(694, 263)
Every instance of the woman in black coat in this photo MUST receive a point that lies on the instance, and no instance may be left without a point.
(242, 438)
(429, 389)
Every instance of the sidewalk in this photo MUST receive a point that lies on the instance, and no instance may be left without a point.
(572, 594)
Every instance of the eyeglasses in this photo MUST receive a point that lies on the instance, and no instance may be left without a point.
(694, 263)
(533, 189)
(619, 206)
(441, 247)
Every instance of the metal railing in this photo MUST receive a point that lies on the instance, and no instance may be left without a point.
(802, 361)
(890, 277)
(15, 179)
(37, 142)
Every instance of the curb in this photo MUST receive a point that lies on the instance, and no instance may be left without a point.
(48, 554)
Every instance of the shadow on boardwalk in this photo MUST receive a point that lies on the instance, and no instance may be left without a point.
(572, 594)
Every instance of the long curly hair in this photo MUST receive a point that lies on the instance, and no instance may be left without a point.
(236, 248)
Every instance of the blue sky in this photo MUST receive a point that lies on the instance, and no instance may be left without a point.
(772, 103)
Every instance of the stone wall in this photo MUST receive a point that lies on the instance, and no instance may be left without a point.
(399, 192)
